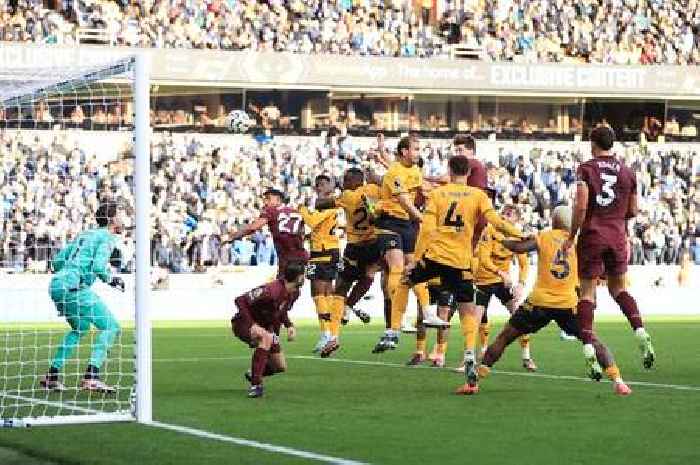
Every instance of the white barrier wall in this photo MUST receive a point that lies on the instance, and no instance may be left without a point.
(24, 297)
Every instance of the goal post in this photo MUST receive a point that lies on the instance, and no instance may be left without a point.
(72, 135)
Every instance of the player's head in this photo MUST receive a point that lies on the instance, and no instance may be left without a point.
(602, 139)
(323, 185)
(561, 218)
(107, 215)
(464, 145)
(294, 275)
(407, 150)
(353, 178)
(273, 197)
(458, 166)
(511, 213)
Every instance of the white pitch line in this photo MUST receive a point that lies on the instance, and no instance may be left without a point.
(258, 445)
(679, 387)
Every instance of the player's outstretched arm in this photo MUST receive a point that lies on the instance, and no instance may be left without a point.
(522, 246)
(501, 224)
(245, 230)
(580, 206)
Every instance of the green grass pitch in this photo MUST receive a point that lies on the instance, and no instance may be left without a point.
(388, 414)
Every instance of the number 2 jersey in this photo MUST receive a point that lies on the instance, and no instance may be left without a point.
(610, 185)
(557, 276)
(451, 213)
(287, 229)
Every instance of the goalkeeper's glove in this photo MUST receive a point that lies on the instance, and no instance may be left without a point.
(117, 283)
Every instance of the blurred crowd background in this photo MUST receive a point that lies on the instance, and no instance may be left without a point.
(203, 187)
(594, 31)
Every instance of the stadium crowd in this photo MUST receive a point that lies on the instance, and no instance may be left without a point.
(596, 31)
(203, 188)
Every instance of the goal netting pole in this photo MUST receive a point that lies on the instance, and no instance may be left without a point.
(70, 133)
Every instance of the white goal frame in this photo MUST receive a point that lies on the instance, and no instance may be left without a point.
(141, 402)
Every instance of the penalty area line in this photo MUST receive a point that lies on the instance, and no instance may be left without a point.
(678, 387)
(255, 444)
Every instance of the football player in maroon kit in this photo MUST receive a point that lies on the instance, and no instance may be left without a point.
(261, 313)
(286, 226)
(606, 197)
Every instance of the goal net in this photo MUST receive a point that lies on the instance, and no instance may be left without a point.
(72, 140)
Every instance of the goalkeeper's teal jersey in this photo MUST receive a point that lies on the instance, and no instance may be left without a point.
(87, 257)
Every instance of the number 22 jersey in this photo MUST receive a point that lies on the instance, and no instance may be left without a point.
(287, 229)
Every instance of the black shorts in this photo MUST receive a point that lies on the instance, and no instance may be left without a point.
(440, 296)
(483, 294)
(357, 258)
(395, 233)
(324, 266)
(529, 319)
(453, 280)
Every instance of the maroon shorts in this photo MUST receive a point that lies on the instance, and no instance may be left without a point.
(597, 257)
(284, 260)
(241, 329)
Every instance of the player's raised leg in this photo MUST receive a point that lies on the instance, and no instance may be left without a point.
(628, 305)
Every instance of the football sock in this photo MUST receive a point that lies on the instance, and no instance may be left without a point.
(613, 372)
(387, 312)
(258, 364)
(525, 346)
(359, 290)
(629, 307)
(441, 348)
(484, 329)
(421, 343)
(641, 333)
(324, 314)
(589, 351)
(422, 295)
(584, 315)
(470, 328)
(92, 372)
(337, 306)
(399, 297)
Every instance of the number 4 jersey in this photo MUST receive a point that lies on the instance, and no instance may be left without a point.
(287, 229)
(451, 213)
(610, 185)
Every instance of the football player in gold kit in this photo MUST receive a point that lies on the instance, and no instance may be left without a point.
(450, 216)
(552, 299)
(322, 267)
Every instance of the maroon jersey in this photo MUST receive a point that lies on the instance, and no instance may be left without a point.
(287, 229)
(610, 185)
(477, 178)
(267, 306)
(477, 175)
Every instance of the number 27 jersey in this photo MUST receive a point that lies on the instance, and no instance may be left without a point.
(610, 185)
(287, 229)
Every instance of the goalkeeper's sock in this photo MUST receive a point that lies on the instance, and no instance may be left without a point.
(52, 374)
(92, 372)
(258, 363)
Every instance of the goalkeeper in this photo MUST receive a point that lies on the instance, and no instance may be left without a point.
(77, 266)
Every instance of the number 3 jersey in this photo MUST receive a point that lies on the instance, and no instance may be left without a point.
(557, 277)
(450, 215)
(610, 185)
(287, 229)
